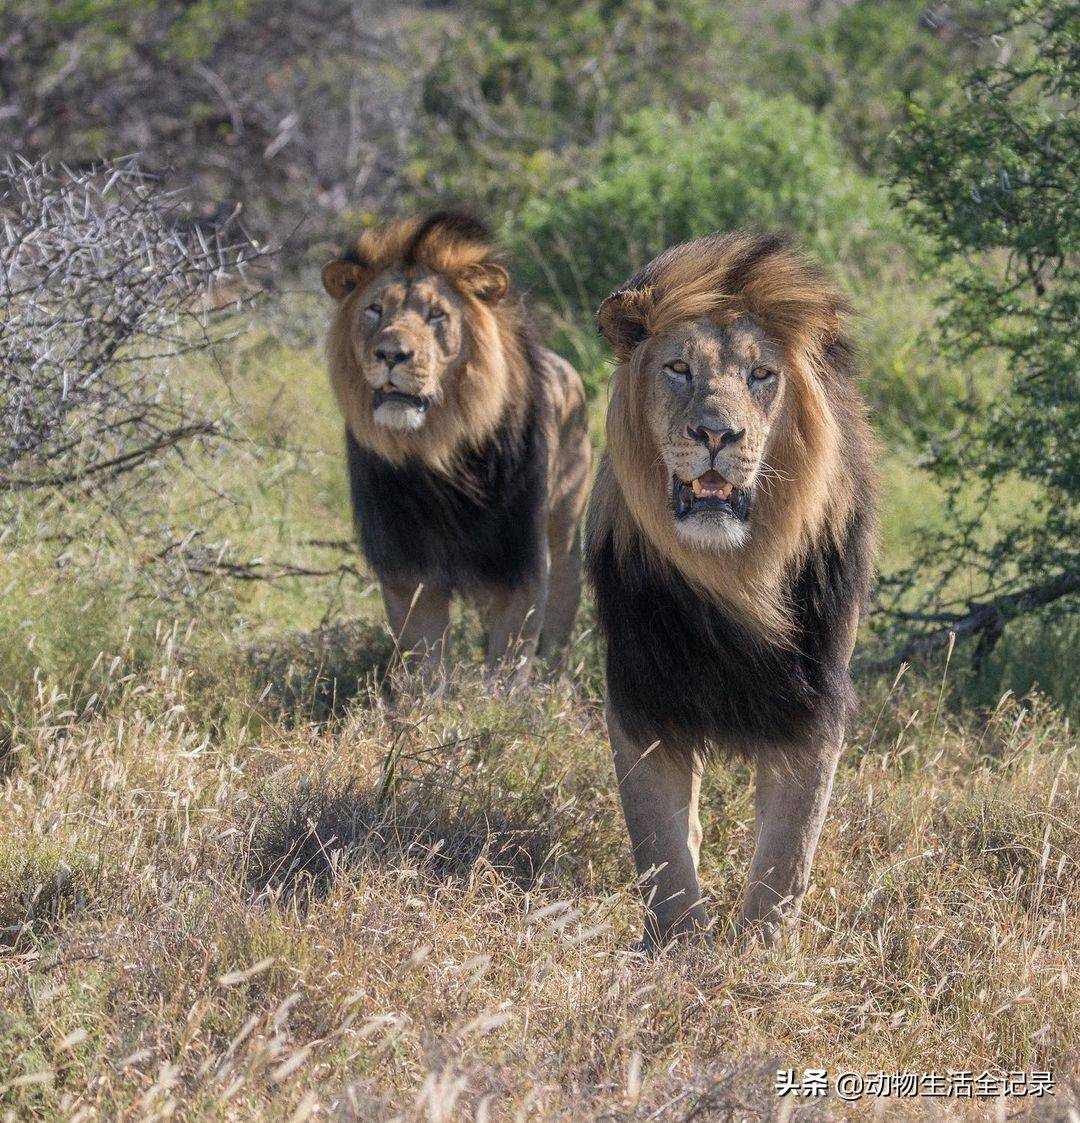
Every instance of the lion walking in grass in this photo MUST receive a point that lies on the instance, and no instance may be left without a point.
(467, 441)
(730, 542)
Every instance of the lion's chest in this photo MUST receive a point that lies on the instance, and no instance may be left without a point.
(482, 529)
(684, 673)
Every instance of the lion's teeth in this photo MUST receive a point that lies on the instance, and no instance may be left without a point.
(712, 490)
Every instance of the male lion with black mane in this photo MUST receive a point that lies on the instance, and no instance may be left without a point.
(730, 542)
(467, 442)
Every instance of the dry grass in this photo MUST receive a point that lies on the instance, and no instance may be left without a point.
(236, 883)
(228, 911)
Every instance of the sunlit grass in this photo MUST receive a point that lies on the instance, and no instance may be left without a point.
(248, 870)
(412, 910)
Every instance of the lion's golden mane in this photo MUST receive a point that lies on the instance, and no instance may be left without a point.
(819, 452)
(486, 389)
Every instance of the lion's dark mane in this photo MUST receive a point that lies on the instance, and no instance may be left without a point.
(479, 527)
(688, 673)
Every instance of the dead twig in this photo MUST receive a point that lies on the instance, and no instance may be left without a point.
(985, 620)
(207, 562)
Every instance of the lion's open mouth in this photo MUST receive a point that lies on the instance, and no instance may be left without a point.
(709, 492)
(383, 397)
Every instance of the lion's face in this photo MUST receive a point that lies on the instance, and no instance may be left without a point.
(425, 352)
(731, 414)
(408, 338)
(712, 396)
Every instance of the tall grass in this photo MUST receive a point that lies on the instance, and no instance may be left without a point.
(419, 910)
(247, 870)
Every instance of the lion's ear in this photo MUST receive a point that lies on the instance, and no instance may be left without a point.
(340, 277)
(832, 328)
(487, 281)
(621, 320)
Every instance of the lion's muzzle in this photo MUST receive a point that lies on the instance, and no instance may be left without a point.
(385, 395)
(709, 492)
(393, 408)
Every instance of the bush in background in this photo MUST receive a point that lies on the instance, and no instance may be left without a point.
(862, 68)
(992, 182)
(750, 161)
(102, 290)
(518, 92)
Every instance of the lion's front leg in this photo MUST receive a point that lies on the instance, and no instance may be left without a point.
(419, 618)
(515, 619)
(790, 806)
(659, 794)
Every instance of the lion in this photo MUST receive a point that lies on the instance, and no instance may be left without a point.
(730, 542)
(467, 442)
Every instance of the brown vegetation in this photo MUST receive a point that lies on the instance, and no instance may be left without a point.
(427, 914)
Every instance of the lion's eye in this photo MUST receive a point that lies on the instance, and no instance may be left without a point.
(436, 316)
(762, 374)
(374, 310)
(679, 372)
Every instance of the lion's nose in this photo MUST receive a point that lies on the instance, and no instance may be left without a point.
(715, 435)
(391, 355)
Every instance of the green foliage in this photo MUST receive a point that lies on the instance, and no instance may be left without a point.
(521, 83)
(862, 68)
(109, 35)
(767, 163)
(518, 84)
(992, 181)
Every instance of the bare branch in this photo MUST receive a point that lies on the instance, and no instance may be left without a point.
(986, 620)
(103, 283)
(206, 561)
(116, 466)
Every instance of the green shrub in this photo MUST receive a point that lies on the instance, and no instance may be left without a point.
(516, 86)
(991, 182)
(862, 68)
(765, 163)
